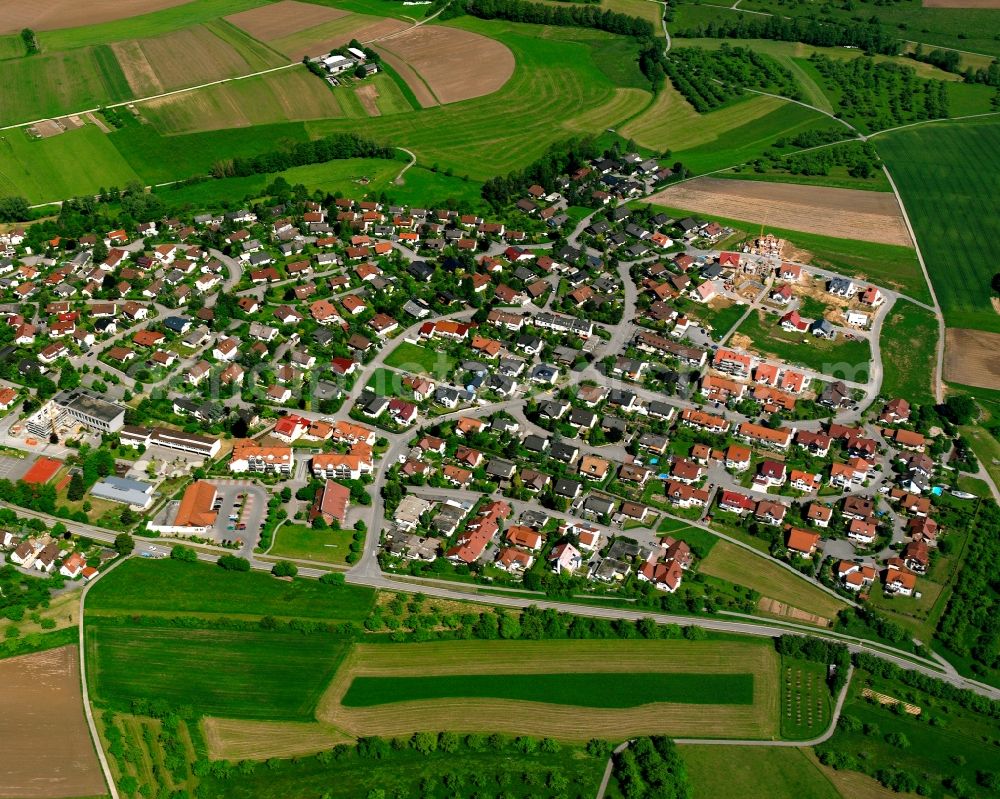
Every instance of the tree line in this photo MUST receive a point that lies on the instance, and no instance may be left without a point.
(330, 148)
(867, 36)
(571, 16)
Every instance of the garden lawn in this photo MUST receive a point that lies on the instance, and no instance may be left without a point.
(946, 174)
(730, 562)
(581, 690)
(299, 542)
(174, 588)
(751, 772)
(841, 358)
(241, 674)
(414, 358)
(908, 344)
(701, 541)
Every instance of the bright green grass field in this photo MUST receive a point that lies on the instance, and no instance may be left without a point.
(52, 84)
(883, 264)
(416, 358)
(908, 343)
(71, 164)
(805, 699)
(174, 588)
(839, 358)
(752, 772)
(230, 673)
(583, 690)
(297, 541)
(947, 175)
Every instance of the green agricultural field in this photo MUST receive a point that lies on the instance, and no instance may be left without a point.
(946, 174)
(355, 177)
(71, 164)
(908, 343)
(589, 668)
(233, 673)
(837, 177)
(842, 358)
(969, 29)
(750, 772)
(144, 25)
(54, 84)
(726, 137)
(173, 588)
(12, 47)
(495, 770)
(580, 690)
(298, 542)
(884, 264)
(412, 357)
(957, 746)
(730, 562)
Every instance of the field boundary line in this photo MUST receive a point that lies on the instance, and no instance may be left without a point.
(932, 121)
(87, 711)
(938, 315)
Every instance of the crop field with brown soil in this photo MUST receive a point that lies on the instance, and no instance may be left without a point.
(54, 14)
(971, 358)
(283, 18)
(47, 750)
(288, 95)
(239, 739)
(456, 64)
(568, 722)
(841, 213)
(413, 79)
(189, 57)
(337, 32)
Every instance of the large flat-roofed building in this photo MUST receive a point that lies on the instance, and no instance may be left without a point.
(193, 515)
(136, 493)
(77, 406)
(203, 446)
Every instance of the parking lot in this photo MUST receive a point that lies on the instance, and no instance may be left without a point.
(242, 509)
(14, 468)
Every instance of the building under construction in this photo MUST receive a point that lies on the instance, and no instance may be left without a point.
(77, 407)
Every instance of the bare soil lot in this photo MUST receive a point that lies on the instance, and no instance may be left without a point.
(456, 64)
(406, 71)
(368, 95)
(842, 213)
(970, 357)
(46, 15)
(283, 19)
(239, 739)
(47, 751)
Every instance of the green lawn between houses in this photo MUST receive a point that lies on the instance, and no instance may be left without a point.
(299, 542)
(414, 358)
(909, 344)
(841, 358)
(584, 690)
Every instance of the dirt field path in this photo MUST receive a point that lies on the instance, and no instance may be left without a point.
(842, 213)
